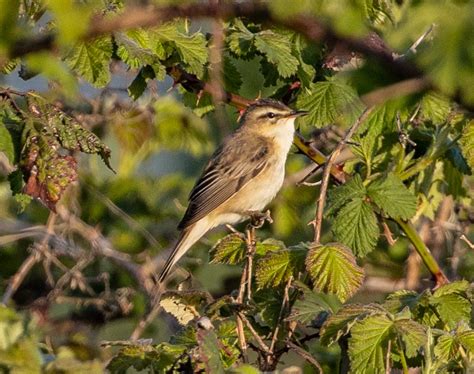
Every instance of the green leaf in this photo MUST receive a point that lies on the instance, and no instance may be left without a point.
(435, 107)
(11, 327)
(140, 83)
(412, 334)
(333, 269)
(452, 308)
(133, 48)
(467, 143)
(466, 338)
(276, 268)
(148, 358)
(452, 303)
(192, 49)
(339, 196)
(231, 250)
(327, 101)
(277, 49)
(356, 227)
(231, 75)
(91, 60)
(240, 39)
(340, 323)
(368, 344)
(391, 195)
(310, 305)
(446, 347)
(6, 143)
(71, 18)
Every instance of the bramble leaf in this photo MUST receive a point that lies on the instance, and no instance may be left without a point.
(6, 143)
(310, 305)
(412, 334)
(277, 50)
(340, 323)
(231, 249)
(368, 344)
(356, 227)
(333, 269)
(91, 60)
(192, 49)
(326, 101)
(391, 195)
(277, 267)
(339, 196)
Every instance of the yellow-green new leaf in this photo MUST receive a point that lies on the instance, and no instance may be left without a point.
(333, 269)
(276, 268)
(231, 250)
(368, 344)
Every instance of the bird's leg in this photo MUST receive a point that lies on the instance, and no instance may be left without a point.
(257, 219)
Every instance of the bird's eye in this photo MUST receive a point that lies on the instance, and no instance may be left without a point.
(271, 115)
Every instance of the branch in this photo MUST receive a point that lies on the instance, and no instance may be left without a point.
(309, 26)
(30, 261)
(327, 170)
(423, 251)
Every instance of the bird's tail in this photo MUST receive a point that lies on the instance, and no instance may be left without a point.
(188, 237)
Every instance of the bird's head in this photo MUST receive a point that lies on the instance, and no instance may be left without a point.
(267, 115)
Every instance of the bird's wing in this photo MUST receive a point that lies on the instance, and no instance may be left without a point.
(226, 173)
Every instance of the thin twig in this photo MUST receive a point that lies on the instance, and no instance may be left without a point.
(306, 355)
(28, 264)
(240, 325)
(254, 333)
(250, 239)
(467, 241)
(318, 221)
(284, 304)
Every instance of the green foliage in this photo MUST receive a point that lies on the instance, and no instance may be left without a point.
(356, 226)
(327, 101)
(333, 269)
(310, 305)
(467, 143)
(91, 60)
(277, 267)
(411, 152)
(230, 250)
(391, 195)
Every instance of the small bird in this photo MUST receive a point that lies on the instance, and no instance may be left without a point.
(243, 175)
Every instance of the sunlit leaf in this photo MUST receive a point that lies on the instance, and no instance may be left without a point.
(390, 194)
(356, 227)
(326, 101)
(333, 269)
(368, 344)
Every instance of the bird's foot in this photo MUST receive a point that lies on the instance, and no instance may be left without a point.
(257, 219)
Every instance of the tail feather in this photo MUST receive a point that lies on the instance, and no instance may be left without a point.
(188, 237)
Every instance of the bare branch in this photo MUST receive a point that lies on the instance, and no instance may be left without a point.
(30, 261)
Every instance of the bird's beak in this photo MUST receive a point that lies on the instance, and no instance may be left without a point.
(298, 113)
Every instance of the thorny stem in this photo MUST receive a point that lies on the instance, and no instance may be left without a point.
(318, 221)
(306, 355)
(423, 251)
(240, 324)
(250, 239)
